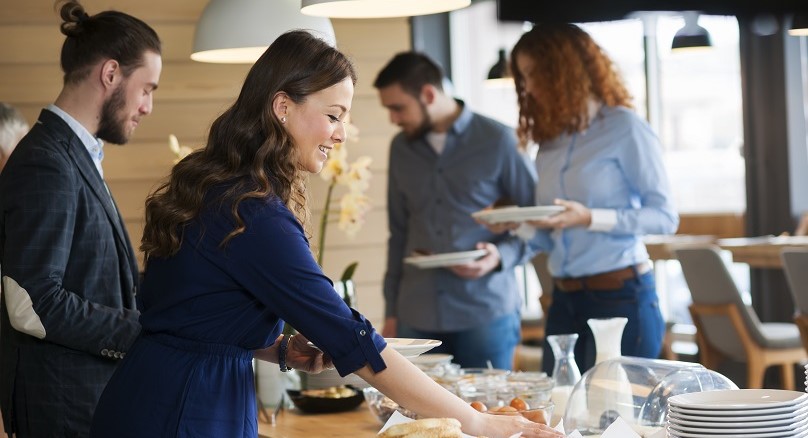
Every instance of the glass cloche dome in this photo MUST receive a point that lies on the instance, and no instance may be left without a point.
(635, 389)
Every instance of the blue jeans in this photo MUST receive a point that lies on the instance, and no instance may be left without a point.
(636, 300)
(471, 348)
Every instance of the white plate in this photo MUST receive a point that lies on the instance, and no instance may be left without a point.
(445, 259)
(741, 428)
(739, 413)
(432, 359)
(516, 214)
(411, 347)
(789, 422)
(738, 399)
(799, 433)
(783, 415)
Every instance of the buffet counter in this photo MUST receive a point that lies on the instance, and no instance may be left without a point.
(358, 423)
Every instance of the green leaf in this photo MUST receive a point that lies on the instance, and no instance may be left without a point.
(347, 274)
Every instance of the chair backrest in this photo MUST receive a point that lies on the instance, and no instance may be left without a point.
(710, 282)
(545, 280)
(795, 264)
(802, 226)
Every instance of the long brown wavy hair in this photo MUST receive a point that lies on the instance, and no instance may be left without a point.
(248, 149)
(570, 69)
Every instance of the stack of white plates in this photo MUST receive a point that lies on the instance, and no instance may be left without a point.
(739, 413)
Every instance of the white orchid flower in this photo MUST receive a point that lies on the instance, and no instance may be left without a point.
(353, 207)
(178, 150)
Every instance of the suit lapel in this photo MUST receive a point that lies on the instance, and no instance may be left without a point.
(78, 153)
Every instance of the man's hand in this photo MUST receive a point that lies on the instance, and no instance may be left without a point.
(499, 227)
(481, 266)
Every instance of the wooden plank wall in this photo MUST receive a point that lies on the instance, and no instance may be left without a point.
(190, 97)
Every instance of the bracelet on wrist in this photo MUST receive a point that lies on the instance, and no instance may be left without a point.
(282, 353)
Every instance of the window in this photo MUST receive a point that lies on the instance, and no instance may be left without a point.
(701, 118)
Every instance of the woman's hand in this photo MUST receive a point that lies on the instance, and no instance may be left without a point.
(506, 425)
(301, 356)
(575, 214)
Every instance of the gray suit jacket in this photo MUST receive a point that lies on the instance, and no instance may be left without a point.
(69, 282)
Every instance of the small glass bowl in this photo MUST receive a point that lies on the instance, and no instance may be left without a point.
(383, 407)
(532, 387)
(538, 413)
(479, 379)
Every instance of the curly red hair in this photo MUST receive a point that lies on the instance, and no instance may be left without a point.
(570, 69)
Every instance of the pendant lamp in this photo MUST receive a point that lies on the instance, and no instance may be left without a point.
(378, 8)
(691, 35)
(239, 31)
(498, 74)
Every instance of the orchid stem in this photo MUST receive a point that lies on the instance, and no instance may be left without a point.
(324, 222)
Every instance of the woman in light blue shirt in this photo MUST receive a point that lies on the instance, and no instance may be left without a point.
(603, 163)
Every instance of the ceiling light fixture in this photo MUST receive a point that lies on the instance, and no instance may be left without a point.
(691, 35)
(378, 8)
(498, 75)
(239, 31)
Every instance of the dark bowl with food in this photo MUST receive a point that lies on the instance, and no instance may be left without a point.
(320, 401)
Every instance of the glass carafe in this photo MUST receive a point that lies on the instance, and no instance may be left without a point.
(565, 371)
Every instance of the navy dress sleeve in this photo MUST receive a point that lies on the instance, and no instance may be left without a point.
(273, 261)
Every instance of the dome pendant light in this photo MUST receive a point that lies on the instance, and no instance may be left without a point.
(239, 31)
(498, 74)
(691, 36)
(378, 8)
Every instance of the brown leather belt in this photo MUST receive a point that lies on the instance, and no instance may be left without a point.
(604, 281)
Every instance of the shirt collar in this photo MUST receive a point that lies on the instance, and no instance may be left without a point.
(94, 146)
(463, 120)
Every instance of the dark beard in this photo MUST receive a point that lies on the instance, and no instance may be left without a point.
(111, 128)
(424, 127)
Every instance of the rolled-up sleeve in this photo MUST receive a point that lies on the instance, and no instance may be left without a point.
(272, 260)
(370, 344)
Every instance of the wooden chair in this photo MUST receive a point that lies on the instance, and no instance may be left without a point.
(728, 328)
(545, 280)
(802, 226)
(795, 264)
(533, 331)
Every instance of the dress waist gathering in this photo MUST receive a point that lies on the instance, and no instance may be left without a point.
(196, 346)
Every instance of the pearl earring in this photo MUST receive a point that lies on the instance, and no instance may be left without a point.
(283, 119)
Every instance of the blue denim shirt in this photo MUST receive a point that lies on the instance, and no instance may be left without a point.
(616, 166)
(430, 201)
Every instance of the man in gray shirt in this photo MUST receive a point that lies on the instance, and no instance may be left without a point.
(446, 163)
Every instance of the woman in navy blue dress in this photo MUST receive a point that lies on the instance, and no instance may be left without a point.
(228, 261)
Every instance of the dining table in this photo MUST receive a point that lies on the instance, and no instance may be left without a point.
(292, 423)
(757, 252)
(662, 247)
(761, 252)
